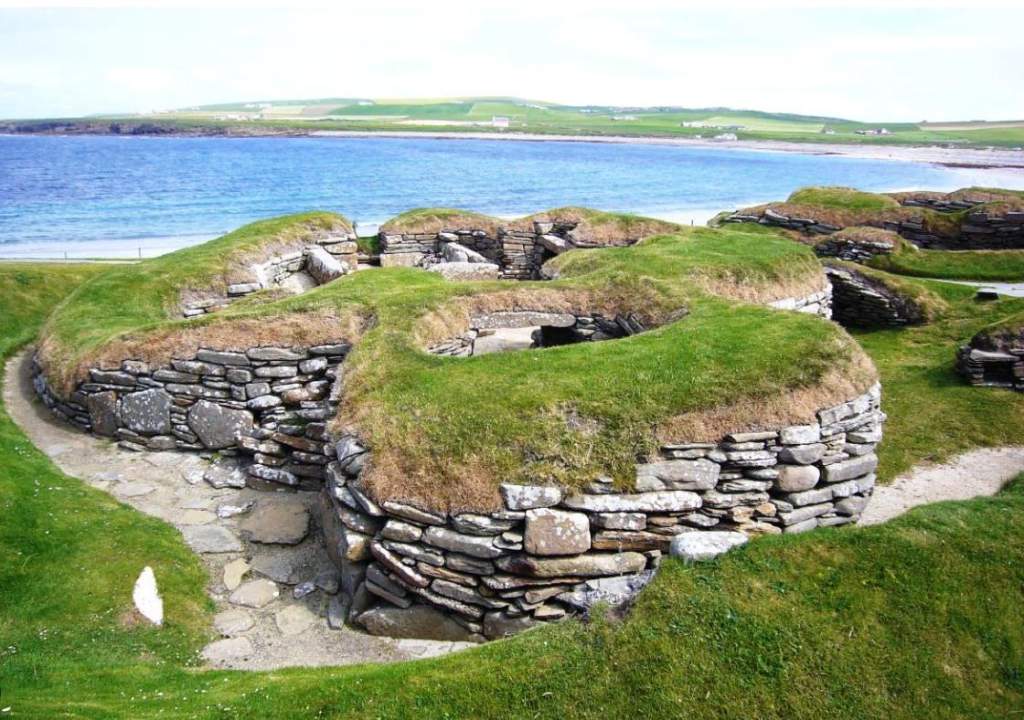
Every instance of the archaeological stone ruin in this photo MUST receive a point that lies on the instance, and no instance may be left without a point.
(548, 552)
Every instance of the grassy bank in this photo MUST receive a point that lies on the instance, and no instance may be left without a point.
(983, 265)
(920, 617)
(463, 115)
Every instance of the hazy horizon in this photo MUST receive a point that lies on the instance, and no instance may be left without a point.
(871, 62)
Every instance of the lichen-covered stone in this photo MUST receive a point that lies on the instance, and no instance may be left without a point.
(217, 426)
(556, 532)
(147, 412)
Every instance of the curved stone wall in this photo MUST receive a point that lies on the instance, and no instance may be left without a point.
(549, 552)
(271, 402)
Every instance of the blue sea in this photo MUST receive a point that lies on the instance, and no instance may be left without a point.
(96, 196)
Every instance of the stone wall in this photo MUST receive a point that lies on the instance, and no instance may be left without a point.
(549, 552)
(818, 303)
(530, 329)
(981, 230)
(329, 256)
(518, 253)
(860, 301)
(270, 402)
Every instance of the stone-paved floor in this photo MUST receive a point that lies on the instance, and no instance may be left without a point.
(260, 624)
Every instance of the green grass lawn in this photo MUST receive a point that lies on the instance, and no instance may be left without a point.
(918, 618)
(991, 265)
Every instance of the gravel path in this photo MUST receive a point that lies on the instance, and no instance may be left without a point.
(263, 626)
(970, 474)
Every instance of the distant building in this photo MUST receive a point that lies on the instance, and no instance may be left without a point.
(726, 136)
(500, 121)
(874, 131)
(827, 131)
(623, 117)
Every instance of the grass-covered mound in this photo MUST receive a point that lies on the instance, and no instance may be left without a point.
(983, 265)
(592, 226)
(863, 215)
(446, 431)
(142, 296)
(919, 617)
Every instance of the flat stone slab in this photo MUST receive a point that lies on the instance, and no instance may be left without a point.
(524, 319)
(416, 621)
(196, 517)
(233, 622)
(294, 619)
(227, 650)
(255, 594)
(276, 521)
(210, 539)
(504, 340)
(234, 571)
(134, 489)
(703, 546)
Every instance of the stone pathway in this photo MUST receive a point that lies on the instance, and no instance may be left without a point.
(256, 546)
(1003, 288)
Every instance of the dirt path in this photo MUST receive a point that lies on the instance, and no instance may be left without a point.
(263, 625)
(970, 474)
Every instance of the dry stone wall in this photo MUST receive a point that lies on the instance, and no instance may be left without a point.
(550, 552)
(270, 402)
(860, 301)
(330, 256)
(980, 230)
(517, 253)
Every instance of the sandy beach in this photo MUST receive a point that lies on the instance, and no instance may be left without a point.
(1008, 159)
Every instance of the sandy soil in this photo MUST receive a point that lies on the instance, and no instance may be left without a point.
(1010, 160)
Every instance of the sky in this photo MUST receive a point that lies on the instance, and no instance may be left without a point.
(894, 61)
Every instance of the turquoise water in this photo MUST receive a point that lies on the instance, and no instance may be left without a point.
(114, 196)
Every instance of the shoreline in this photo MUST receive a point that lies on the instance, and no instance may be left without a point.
(994, 158)
(968, 158)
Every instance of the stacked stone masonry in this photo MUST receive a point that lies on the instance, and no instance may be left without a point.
(549, 552)
(860, 301)
(992, 368)
(980, 230)
(516, 254)
(269, 402)
(329, 256)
